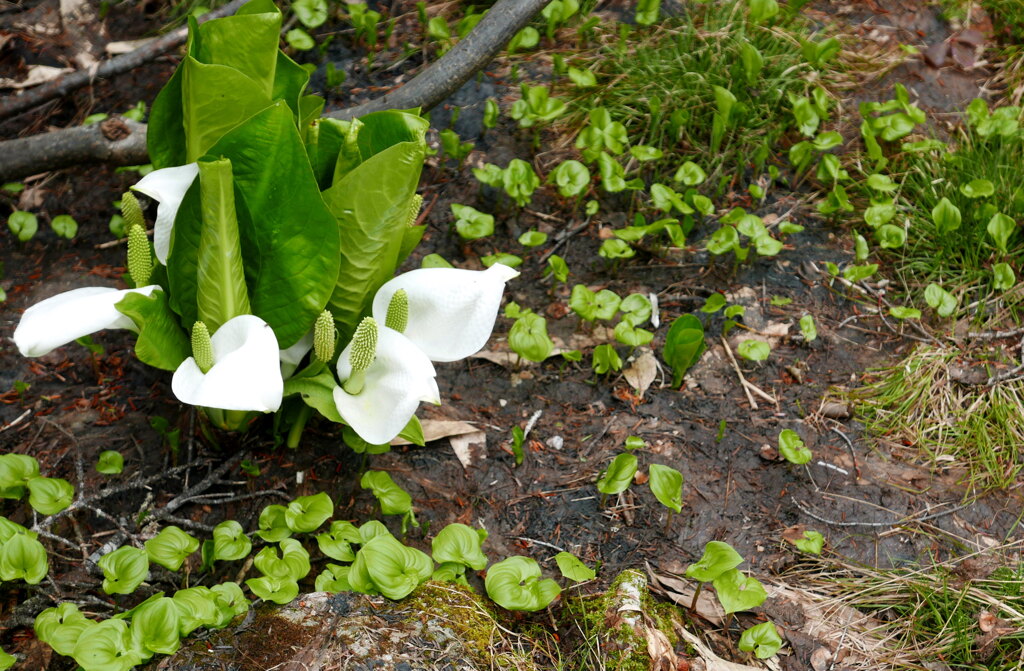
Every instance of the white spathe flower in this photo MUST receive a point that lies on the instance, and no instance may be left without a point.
(399, 378)
(167, 187)
(451, 311)
(65, 317)
(292, 357)
(246, 372)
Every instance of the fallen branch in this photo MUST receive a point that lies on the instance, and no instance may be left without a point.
(75, 146)
(62, 86)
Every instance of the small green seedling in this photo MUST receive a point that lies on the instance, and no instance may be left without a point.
(573, 569)
(792, 447)
(110, 462)
(170, 547)
(453, 146)
(305, 514)
(808, 329)
(124, 569)
(684, 345)
(761, 639)
(460, 544)
(516, 584)
(618, 476)
(49, 496)
(529, 338)
(472, 224)
(518, 437)
(393, 499)
(536, 106)
(754, 350)
(606, 359)
(940, 300)
(23, 225)
(667, 485)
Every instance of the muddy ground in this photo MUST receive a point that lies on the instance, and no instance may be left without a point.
(876, 503)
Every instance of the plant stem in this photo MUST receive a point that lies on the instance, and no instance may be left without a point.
(696, 595)
(295, 432)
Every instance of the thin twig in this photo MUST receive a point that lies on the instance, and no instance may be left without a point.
(562, 240)
(537, 542)
(739, 373)
(910, 519)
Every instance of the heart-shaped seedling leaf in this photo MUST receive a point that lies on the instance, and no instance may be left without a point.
(337, 541)
(737, 591)
(387, 567)
(619, 474)
(124, 569)
(573, 569)
(110, 462)
(762, 639)
(170, 547)
(292, 563)
(49, 496)
(230, 542)
(269, 588)
(61, 626)
(334, 578)
(197, 607)
(230, 602)
(718, 558)
(684, 345)
(460, 544)
(306, 513)
(274, 524)
(792, 448)
(155, 626)
(667, 485)
(516, 584)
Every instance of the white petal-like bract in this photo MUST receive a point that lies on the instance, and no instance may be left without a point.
(246, 372)
(451, 311)
(292, 357)
(398, 379)
(167, 187)
(60, 319)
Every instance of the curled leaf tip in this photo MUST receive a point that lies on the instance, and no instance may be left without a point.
(324, 338)
(398, 311)
(202, 346)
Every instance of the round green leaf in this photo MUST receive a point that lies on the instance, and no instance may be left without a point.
(274, 524)
(690, 174)
(49, 496)
(65, 226)
(516, 584)
(573, 569)
(460, 544)
(334, 578)
(15, 472)
(754, 350)
(230, 542)
(470, 223)
(614, 248)
(667, 485)
(337, 541)
(230, 602)
(635, 443)
(60, 627)
(1003, 277)
(292, 563)
(619, 474)
(23, 224)
(312, 13)
(124, 569)
(393, 499)
(278, 590)
(761, 639)
(386, 566)
(792, 448)
(170, 547)
(533, 238)
(811, 543)
(529, 338)
(108, 647)
(110, 462)
(977, 188)
(718, 558)
(940, 300)
(306, 513)
(197, 607)
(738, 592)
(299, 39)
(571, 177)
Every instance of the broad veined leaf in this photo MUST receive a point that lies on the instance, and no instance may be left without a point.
(289, 237)
(754, 350)
(334, 578)
(619, 474)
(110, 462)
(15, 472)
(940, 300)
(372, 207)
(460, 544)
(107, 647)
(273, 524)
(221, 293)
(393, 499)
(572, 568)
(124, 569)
(667, 485)
(197, 607)
(792, 448)
(49, 496)
(278, 590)
(22, 557)
(230, 542)
(946, 216)
(386, 566)
(230, 602)
(761, 639)
(155, 626)
(738, 592)
(516, 584)
(170, 547)
(9, 528)
(61, 626)
(718, 558)
(337, 541)
(307, 513)
(292, 563)
(684, 345)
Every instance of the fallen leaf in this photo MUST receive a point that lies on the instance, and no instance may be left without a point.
(936, 54)
(642, 373)
(470, 448)
(37, 74)
(821, 658)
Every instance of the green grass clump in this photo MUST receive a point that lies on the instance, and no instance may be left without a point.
(659, 82)
(923, 403)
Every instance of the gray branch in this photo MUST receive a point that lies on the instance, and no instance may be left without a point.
(108, 143)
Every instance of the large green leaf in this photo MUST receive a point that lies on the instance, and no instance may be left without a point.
(246, 42)
(383, 130)
(161, 342)
(290, 249)
(372, 205)
(215, 99)
(165, 136)
(221, 293)
(183, 258)
(290, 81)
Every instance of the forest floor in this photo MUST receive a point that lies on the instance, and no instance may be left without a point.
(917, 533)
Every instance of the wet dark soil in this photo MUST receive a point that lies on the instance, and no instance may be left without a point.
(68, 406)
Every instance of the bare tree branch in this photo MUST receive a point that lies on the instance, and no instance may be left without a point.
(92, 144)
(62, 86)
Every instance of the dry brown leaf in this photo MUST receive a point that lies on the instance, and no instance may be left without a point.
(681, 593)
(470, 448)
(37, 74)
(642, 373)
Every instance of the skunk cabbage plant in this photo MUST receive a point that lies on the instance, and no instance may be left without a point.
(269, 284)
